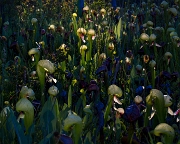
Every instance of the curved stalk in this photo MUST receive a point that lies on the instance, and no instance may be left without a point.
(108, 108)
(26, 106)
(70, 97)
(74, 121)
(36, 53)
(88, 116)
(83, 48)
(89, 53)
(166, 132)
(147, 114)
(156, 99)
(113, 90)
(44, 66)
(50, 112)
(131, 133)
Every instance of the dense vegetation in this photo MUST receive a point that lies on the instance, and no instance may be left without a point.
(89, 72)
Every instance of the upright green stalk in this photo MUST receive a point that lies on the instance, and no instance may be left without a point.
(108, 109)
(131, 131)
(147, 114)
(153, 77)
(44, 66)
(91, 34)
(90, 49)
(70, 97)
(83, 48)
(152, 65)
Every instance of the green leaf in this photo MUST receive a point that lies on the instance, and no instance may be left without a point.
(88, 138)
(119, 131)
(77, 132)
(133, 72)
(49, 116)
(64, 112)
(78, 106)
(119, 29)
(47, 138)
(70, 97)
(20, 133)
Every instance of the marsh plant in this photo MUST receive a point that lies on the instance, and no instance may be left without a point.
(89, 72)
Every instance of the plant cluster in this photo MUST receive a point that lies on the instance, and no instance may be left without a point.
(89, 72)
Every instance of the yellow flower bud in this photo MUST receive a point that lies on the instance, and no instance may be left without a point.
(103, 11)
(81, 31)
(42, 43)
(114, 52)
(74, 81)
(82, 91)
(52, 27)
(102, 56)
(86, 8)
(91, 32)
(34, 20)
(6, 102)
(111, 46)
(83, 48)
(74, 14)
(144, 37)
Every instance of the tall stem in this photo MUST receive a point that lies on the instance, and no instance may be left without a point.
(131, 133)
(108, 108)
(41, 74)
(153, 76)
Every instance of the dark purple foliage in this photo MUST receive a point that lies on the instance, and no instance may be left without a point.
(132, 113)
(82, 84)
(139, 90)
(149, 87)
(99, 106)
(102, 68)
(43, 31)
(107, 63)
(113, 3)
(129, 54)
(68, 75)
(65, 139)
(15, 47)
(93, 86)
(141, 52)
